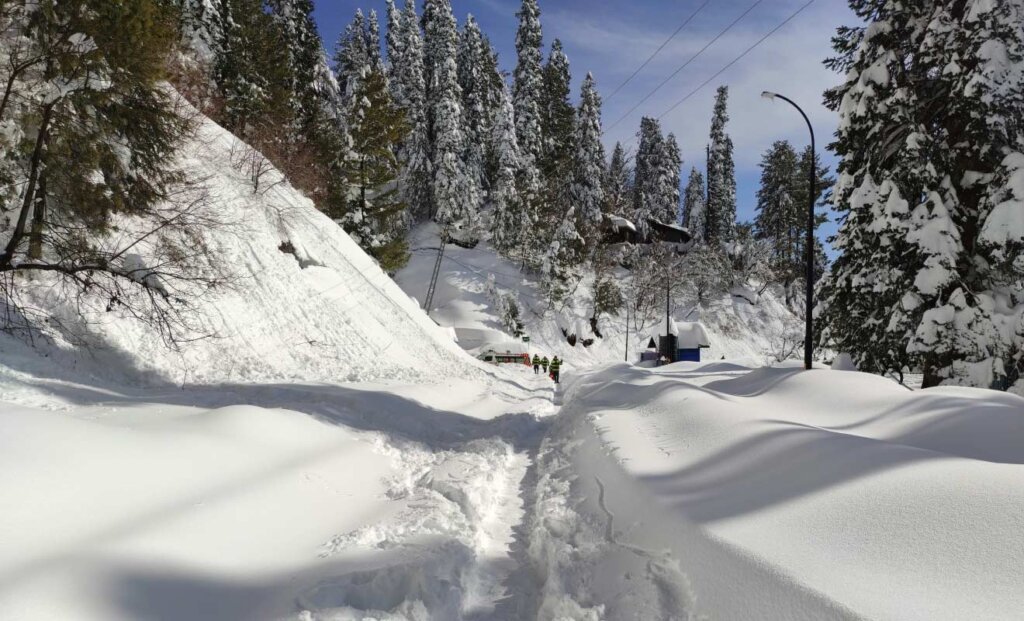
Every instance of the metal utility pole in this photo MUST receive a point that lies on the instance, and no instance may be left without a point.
(627, 333)
(437, 270)
(809, 249)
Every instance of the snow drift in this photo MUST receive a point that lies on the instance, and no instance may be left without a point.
(783, 494)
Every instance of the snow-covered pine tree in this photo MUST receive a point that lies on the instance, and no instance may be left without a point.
(475, 84)
(455, 195)
(557, 121)
(395, 47)
(779, 218)
(252, 73)
(511, 221)
(375, 217)
(930, 144)
(694, 206)
(373, 47)
(673, 166)
(721, 208)
(647, 182)
(352, 56)
(617, 184)
(202, 28)
(587, 191)
(528, 83)
(416, 181)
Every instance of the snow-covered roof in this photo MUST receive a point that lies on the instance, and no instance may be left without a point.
(621, 223)
(692, 335)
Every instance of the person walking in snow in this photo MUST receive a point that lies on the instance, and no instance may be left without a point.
(536, 364)
(556, 366)
(544, 364)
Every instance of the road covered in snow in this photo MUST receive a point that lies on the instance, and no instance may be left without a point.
(688, 492)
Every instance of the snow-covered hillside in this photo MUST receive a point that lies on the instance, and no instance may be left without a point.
(737, 328)
(322, 311)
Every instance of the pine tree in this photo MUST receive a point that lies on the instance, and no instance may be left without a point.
(694, 207)
(511, 222)
(557, 118)
(528, 85)
(929, 138)
(475, 85)
(252, 73)
(202, 28)
(647, 182)
(778, 215)
(352, 58)
(672, 163)
(409, 88)
(587, 191)
(396, 45)
(455, 196)
(376, 214)
(373, 43)
(721, 209)
(617, 187)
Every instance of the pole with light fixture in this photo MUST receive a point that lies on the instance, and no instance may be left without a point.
(809, 249)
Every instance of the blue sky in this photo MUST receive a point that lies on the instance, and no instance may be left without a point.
(611, 38)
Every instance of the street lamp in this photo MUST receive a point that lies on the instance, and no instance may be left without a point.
(811, 198)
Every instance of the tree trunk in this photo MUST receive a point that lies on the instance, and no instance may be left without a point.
(30, 190)
(35, 240)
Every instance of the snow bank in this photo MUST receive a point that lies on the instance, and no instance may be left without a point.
(787, 494)
(305, 303)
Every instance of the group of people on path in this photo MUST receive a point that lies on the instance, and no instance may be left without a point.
(551, 368)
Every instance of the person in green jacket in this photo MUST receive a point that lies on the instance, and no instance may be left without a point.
(536, 364)
(544, 364)
(556, 366)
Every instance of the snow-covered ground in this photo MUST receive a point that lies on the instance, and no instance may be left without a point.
(717, 491)
(333, 455)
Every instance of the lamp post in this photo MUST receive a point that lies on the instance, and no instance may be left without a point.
(812, 197)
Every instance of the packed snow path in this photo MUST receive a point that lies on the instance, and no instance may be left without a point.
(354, 501)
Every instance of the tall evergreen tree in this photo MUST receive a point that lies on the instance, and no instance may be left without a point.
(721, 211)
(475, 85)
(409, 87)
(657, 177)
(557, 117)
(252, 73)
(694, 206)
(352, 57)
(455, 195)
(673, 165)
(528, 85)
(373, 47)
(511, 221)
(618, 184)
(929, 138)
(376, 214)
(587, 191)
(778, 217)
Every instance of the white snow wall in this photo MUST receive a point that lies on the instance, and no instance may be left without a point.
(324, 312)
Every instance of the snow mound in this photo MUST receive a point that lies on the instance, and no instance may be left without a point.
(808, 488)
(305, 302)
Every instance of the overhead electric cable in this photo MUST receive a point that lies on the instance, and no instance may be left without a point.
(657, 51)
(736, 60)
(683, 66)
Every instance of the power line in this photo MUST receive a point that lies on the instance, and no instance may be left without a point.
(683, 66)
(737, 59)
(657, 51)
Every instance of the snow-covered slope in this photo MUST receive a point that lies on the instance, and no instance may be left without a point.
(323, 312)
(721, 492)
(738, 329)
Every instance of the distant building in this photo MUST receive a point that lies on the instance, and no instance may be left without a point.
(617, 230)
